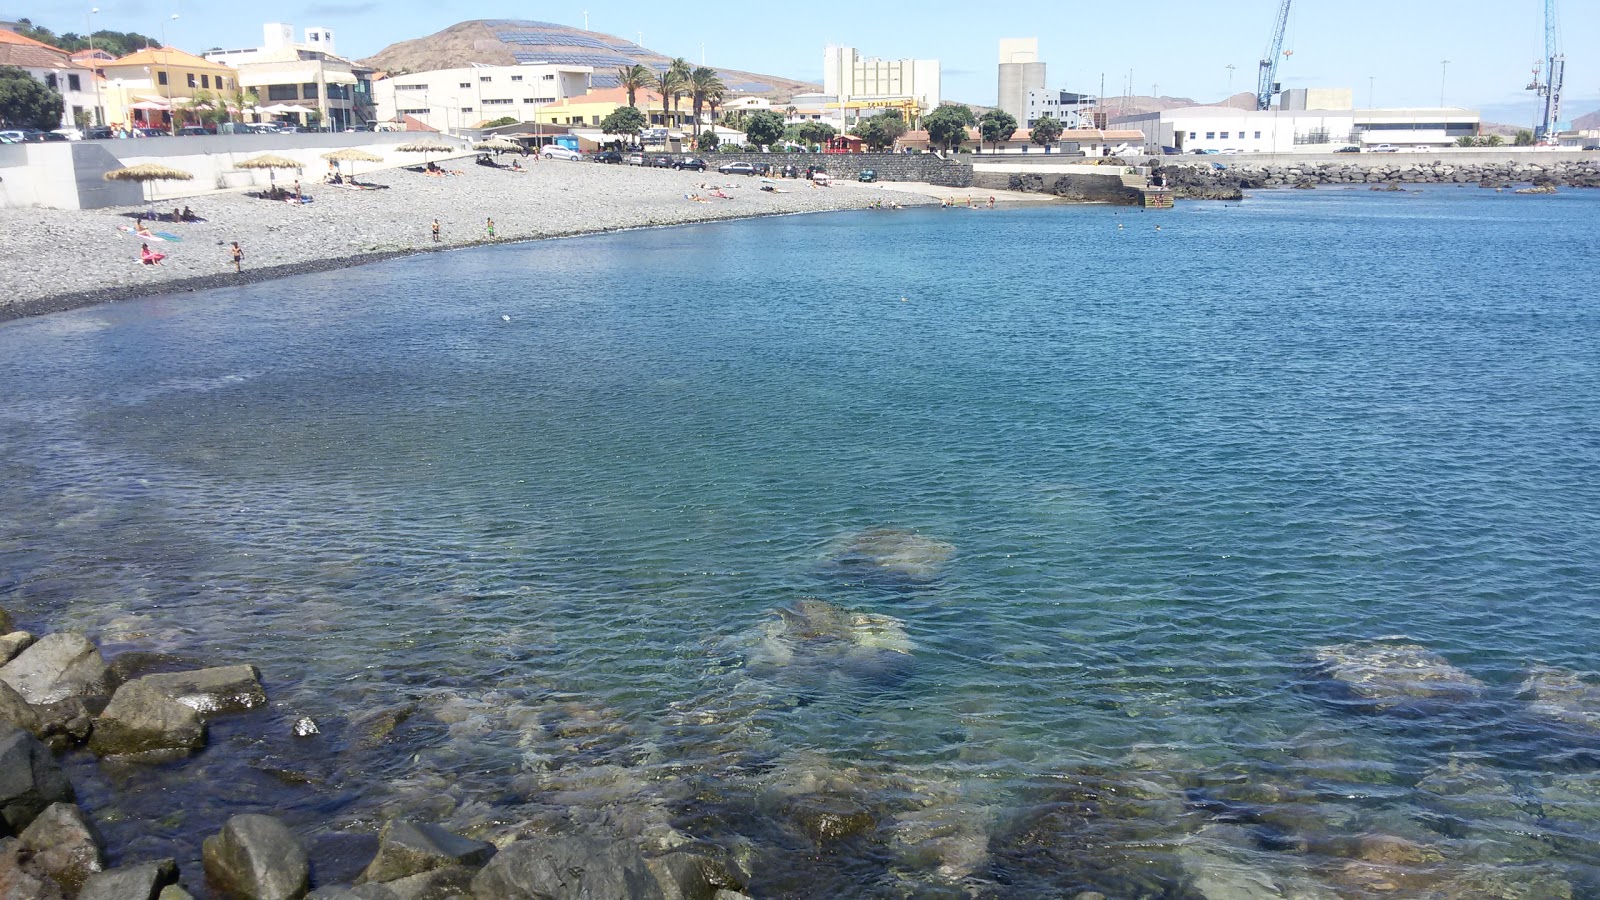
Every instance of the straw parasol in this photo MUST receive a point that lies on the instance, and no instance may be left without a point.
(497, 144)
(425, 146)
(145, 173)
(351, 155)
(270, 163)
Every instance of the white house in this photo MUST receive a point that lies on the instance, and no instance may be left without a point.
(1224, 128)
(452, 99)
(74, 81)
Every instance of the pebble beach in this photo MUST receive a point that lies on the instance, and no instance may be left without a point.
(79, 257)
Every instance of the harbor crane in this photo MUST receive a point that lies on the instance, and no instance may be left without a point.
(1268, 85)
(1555, 72)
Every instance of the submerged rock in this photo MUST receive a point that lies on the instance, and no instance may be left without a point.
(141, 719)
(689, 875)
(894, 553)
(556, 868)
(56, 667)
(1390, 677)
(1563, 696)
(212, 691)
(950, 841)
(829, 818)
(1473, 792)
(411, 848)
(30, 780)
(257, 857)
(815, 633)
(64, 846)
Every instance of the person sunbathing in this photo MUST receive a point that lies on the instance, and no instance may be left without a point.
(150, 257)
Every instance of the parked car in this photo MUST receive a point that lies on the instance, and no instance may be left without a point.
(1204, 152)
(18, 135)
(99, 133)
(150, 132)
(1385, 148)
(762, 168)
(71, 134)
(192, 130)
(689, 162)
(791, 171)
(42, 137)
(1350, 149)
(1591, 147)
(611, 157)
(659, 162)
(867, 175)
(736, 168)
(1171, 151)
(634, 159)
(1229, 151)
(555, 151)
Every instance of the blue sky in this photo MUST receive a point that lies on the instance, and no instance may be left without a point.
(1392, 50)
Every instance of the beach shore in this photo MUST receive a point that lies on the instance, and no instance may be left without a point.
(71, 258)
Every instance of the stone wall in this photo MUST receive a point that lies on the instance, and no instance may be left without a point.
(1203, 181)
(846, 166)
(1074, 186)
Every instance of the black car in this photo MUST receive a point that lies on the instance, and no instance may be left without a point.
(1351, 149)
(659, 162)
(689, 162)
(41, 137)
(608, 156)
(192, 131)
(98, 133)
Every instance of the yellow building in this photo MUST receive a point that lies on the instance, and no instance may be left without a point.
(591, 109)
(144, 88)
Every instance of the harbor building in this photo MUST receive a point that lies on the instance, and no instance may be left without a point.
(864, 85)
(1070, 109)
(452, 99)
(1307, 121)
(1021, 74)
(307, 74)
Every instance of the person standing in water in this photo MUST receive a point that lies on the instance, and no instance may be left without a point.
(436, 231)
(238, 257)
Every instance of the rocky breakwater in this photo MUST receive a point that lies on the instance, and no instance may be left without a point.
(1205, 181)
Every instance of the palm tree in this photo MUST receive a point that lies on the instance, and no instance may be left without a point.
(633, 79)
(668, 83)
(681, 68)
(714, 100)
(703, 81)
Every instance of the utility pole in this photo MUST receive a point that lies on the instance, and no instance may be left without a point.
(1230, 68)
(1372, 80)
(586, 20)
(1444, 69)
(94, 69)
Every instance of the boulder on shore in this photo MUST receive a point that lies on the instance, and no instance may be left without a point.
(141, 719)
(257, 858)
(411, 848)
(1387, 677)
(65, 846)
(216, 690)
(30, 780)
(15, 711)
(56, 667)
(566, 868)
(12, 644)
(141, 882)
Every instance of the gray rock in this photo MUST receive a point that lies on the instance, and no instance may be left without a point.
(65, 846)
(566, 868)
(63, 724)
(356, 892)
(12, 645)
(257, 857)
(15, 711)
(1386, 677)
(1563, 695)
(815, 634)
(30, 780)
(829, 818)
(173, 892)
(439, 884)
(411, 848)
(730, 895)
(141, 719)
(6, 625)
(894, 552)
(211, 691)
(141, 882)
(56, 667)
(18, 881)
(688, 875)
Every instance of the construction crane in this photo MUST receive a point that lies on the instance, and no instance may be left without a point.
(1555, 72)
(1268, 85)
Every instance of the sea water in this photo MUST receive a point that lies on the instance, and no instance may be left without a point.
(513, 525)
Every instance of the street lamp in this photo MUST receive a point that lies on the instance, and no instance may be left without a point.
(94, 69)
(1444, 69)
(1229, 67)
(172, 122)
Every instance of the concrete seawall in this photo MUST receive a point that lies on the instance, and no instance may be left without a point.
(1203, 181)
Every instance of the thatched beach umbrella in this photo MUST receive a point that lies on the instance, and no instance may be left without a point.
(271, 163)
(145, 173)
(351, 155)
(425, 146)
(497, 144)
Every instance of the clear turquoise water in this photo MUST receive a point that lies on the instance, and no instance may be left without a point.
(1172, 463)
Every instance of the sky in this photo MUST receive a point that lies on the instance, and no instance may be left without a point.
(1392, 52)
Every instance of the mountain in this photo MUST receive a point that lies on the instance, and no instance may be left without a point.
(1137, 105)
(509, 42)
(1588, 122)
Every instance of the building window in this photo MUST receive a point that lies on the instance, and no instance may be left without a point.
(410, 87)
(1211, 135)
(73, 84)
(281, 92)
(466, 109)
(466, 84)
(161, 77)
(308, 91)
(549, 78)
(192, 81)
(1194, 135)
(497, 103)
(516, 78)
(1258, 135)
(485, 79)
(1224, 135)
(415, 112)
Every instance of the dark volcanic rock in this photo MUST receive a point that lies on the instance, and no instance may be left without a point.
(566, 868)
(15, 711)
(56, 667)
(355, 892)
(408, 848)
(141, 719)
(64, 845)
(829, 818)
(140, 882)
(64, 724)
(30, 780)
(257, 857)
(687, 875)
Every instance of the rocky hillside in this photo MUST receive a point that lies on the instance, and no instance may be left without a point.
(1587, 122)
(507, 42)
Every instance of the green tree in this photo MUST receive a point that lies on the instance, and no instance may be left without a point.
(1495, 140)
(763, 128)
(681, 68)
(997, 126)
(116, 43)
(714, 100)
(1524, 138)
(25, 102)
(1466, 140)
(667, 84)
(633, 79)
(707, 141)
(1045, 132)
(501, 122)
(947, 125)
(626, 120)
(703, 82)
(882, 130)
(814, 133)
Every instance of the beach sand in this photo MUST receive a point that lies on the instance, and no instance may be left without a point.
(65, 259)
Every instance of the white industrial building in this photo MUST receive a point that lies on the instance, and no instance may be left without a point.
(453, 99)
(1300, 130)
(1021, 74)
(283, 72)
(862, 86)
(1070, 109)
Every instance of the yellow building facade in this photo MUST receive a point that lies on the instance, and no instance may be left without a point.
(148, 87)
